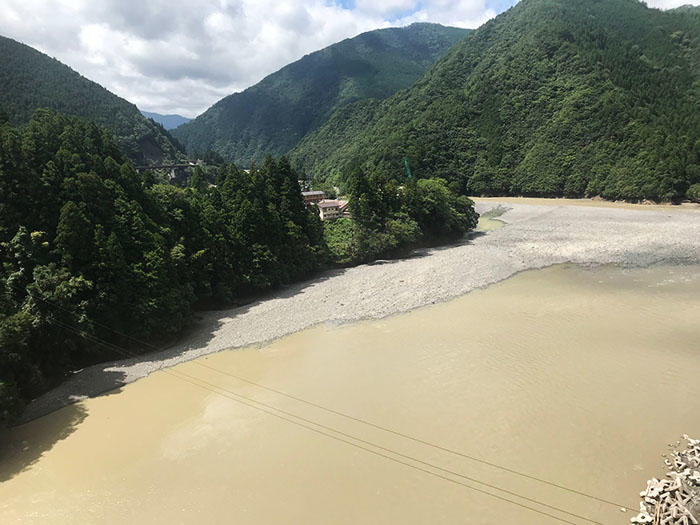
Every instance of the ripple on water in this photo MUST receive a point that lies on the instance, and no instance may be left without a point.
(580, 376)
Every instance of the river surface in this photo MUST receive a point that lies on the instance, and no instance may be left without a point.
(579, 377)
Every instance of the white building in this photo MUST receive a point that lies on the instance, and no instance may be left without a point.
(328, 209)
(332, 209)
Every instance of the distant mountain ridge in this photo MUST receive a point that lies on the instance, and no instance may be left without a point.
(686, 7)
(551, 98)
(32, 80)
(275, 114)
(169, 122)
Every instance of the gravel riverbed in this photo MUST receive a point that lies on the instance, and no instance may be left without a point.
(537, 233)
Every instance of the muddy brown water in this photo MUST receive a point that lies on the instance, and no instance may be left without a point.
(581, 377)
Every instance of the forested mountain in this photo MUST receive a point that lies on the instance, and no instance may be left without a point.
(31, 80)
(687, 7)
(169, 122)
(94, 253)
(272, 116)
(552, 97)
(88, 246)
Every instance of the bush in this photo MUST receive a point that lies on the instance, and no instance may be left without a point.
(693, 193)
(340, 236)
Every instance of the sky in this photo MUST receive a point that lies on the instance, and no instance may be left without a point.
(180, 56)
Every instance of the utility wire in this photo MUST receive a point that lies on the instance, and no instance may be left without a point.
(417, 440)
(366, 422)
(274, 411)
(125, 352)
(420, 469)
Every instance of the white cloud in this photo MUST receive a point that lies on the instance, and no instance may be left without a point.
(461, 13)
(386, 7)
(179, 56)
(670, 4)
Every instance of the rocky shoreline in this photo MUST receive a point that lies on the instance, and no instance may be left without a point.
(537, 234)
(674, 500)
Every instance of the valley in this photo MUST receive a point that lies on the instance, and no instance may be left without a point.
(409, 262)
(537, 234)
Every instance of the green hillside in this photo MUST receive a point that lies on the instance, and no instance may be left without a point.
(272, 116)
(32, 80)
(553, 97)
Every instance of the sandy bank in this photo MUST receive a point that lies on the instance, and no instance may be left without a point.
(537, 234)
(598, 203)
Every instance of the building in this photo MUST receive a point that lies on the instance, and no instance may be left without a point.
(313, 197)
(329, 209)
(344, 209)
(333, 209)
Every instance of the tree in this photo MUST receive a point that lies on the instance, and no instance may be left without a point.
(73, 236)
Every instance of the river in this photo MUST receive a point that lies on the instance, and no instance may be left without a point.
(579, 377)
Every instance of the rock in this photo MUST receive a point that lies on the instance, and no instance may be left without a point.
(674, 500)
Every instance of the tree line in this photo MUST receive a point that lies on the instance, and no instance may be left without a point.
(90, 248)
(551, 98)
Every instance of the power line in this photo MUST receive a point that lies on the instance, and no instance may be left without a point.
(271, 410)
(415, 439)
(446, 478)
(369, 423)
(127, 353)
(474, 480)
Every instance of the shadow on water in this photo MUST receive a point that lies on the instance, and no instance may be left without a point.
(23, 446)
(36, 433)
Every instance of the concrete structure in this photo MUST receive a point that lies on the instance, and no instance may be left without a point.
(333, 209)
(174, 171)
(328, 209)
(344, 209)
(313, 197)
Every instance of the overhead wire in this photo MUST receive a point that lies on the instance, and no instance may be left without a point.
(419, 440)
(124, 352)
(371, 424)
(287, 416)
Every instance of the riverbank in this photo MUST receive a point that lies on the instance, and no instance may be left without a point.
(391, 420)
(596, 202)
(537, 233)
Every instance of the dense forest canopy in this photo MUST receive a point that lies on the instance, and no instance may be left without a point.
(551, 98)
(272, 116)
(390, 216)
(32, 80)
(90, 248)
(85, 241)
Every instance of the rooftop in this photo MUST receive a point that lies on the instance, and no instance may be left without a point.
(328, 204)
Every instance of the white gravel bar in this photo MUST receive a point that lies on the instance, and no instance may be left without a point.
(537, 234)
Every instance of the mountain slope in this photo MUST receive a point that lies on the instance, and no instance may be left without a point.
(169, 122)
(32, 80)
(553, 97)
(272, 116)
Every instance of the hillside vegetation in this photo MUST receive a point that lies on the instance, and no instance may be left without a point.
(272, 116)
(33, 80)
(93, 253)
(551, 98)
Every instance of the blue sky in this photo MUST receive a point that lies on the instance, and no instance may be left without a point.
(168, 57)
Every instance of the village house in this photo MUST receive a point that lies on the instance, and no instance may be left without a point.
(332, 209)
(328, 209)
(313, 197)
